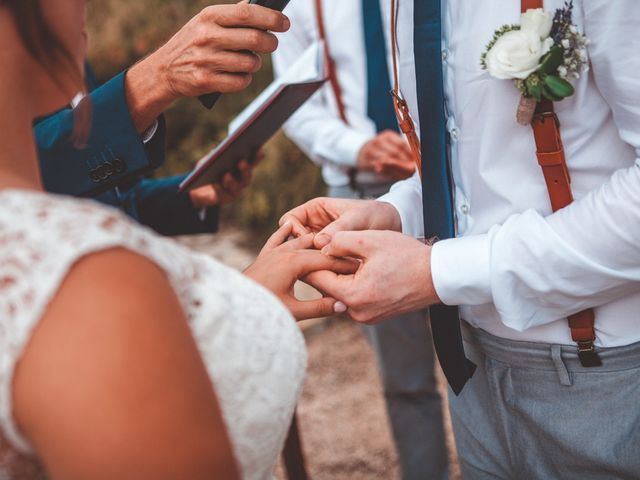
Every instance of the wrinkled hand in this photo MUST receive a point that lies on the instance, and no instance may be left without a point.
(326, 216)
(394, 275)
(281, 263)
(388, 154)
(216, 51)
(229, 189)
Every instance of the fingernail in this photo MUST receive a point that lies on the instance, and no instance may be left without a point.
(323, 239)
(325, 250)
(339, 307)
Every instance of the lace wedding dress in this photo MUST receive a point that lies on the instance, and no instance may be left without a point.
(252, 349)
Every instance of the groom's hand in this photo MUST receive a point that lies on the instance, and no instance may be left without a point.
(326, 216)
(394, 276)
(218, 50)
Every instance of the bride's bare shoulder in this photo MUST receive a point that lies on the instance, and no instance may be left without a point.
(112, 376)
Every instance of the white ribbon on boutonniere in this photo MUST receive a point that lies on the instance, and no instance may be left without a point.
(541, 55)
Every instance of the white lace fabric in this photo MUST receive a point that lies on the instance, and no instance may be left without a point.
(253, 351)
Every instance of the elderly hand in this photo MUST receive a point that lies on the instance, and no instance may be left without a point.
(229, 189)
(388, 154)
(330, 215)
(216, 51)
(281, 263)
(394, 275)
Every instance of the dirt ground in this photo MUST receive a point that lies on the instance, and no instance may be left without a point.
(342, 416)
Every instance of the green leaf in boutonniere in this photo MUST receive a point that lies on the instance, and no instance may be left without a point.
(539, 55)
(551, 61)
(559, 87)
(548, 93)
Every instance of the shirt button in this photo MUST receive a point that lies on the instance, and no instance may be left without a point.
(445, 55)
(464, 209)
(455, 133)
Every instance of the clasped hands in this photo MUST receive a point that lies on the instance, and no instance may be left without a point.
(352, 251)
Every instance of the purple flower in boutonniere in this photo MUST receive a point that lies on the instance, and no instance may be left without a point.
(541, 55)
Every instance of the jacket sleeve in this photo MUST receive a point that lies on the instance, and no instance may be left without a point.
(158, 205)
(114, 152)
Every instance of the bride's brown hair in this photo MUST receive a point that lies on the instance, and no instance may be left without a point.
(44, 45)
(47, 49)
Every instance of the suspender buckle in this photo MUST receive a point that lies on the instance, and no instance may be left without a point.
(587, 354)
(542, 116)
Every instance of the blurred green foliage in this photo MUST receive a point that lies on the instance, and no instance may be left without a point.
(122, 32)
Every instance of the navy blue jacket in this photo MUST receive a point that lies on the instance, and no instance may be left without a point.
(115, 156)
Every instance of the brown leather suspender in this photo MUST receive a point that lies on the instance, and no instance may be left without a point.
(551, 158)
(399, 104)
(331, 66)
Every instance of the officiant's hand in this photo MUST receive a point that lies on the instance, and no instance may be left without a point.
(216, 51)
(394, 275)
(281, 263)
(230, 188)
(326, 216)
(387, 154)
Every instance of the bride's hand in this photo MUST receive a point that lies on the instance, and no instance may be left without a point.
(281, 263)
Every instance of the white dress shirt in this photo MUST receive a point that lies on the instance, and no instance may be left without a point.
(516, 268)
(316, 127)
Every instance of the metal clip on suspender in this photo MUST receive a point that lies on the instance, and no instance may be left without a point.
(551, 158)
(333, 80)
(399, 104)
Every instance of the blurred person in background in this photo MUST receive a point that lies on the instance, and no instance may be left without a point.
(123, 355)
(352, 132)
(216, 51)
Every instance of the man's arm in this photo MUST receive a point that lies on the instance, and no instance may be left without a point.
(315, 127)
(538, 269)
(535, 269)
(114, 149)
(157, 204)
(212, 52)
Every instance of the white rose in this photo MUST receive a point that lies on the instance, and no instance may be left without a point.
(536, 20)
(516, 54)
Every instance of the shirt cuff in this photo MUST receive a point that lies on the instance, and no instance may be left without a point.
(150, 132)
(347, 148)
(406, 198)
(461, 271)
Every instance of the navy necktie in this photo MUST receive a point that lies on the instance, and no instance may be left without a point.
(379, 101)
(436, 180)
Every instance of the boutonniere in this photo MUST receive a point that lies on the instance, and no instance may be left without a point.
(541, 55)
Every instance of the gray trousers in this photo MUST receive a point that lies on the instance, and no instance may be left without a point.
(531, 411)
(405, 357)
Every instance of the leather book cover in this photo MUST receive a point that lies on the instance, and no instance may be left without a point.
(261, 119)
(250, 136)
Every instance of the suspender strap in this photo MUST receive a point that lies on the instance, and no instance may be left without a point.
(331, 66)
(530, 4)
(550, 153)
(400, 105)
(551, 158)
